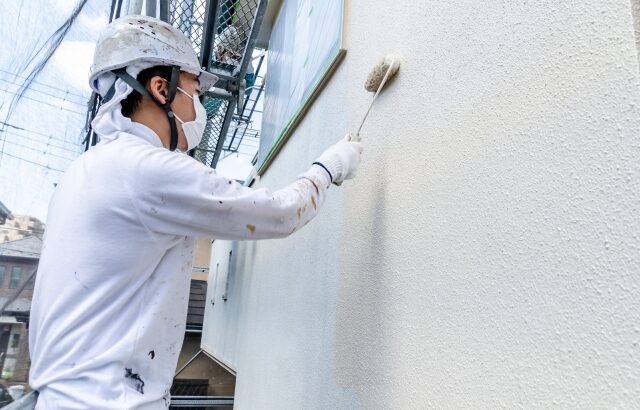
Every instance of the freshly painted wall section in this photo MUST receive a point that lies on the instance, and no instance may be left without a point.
(488, 254)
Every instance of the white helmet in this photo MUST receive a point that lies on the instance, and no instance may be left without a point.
(144, 42)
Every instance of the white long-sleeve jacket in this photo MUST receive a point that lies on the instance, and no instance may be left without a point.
(111, 295)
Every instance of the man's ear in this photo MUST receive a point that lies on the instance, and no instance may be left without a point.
(159, 88)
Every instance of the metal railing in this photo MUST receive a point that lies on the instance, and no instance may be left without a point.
(203, 402)
(186, 393)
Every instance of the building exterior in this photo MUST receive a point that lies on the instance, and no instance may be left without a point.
(487, 254)
(18, 263)
(197, 374)
(5, 213)
(20, 226)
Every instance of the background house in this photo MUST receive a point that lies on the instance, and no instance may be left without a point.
(198, 375)
(20, 226)
(18, 263)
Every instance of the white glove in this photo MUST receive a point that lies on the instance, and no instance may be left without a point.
(341, 159)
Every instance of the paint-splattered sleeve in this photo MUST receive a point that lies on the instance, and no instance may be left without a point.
(173, 194)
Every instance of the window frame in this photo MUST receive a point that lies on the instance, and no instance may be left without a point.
(15, 269)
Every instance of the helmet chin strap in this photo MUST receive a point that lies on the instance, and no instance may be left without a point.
(173, 87)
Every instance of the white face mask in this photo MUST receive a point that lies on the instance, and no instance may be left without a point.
(194, 130)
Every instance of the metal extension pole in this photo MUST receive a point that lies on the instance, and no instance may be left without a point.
(118, 9)
(164, 10)
(256, 73)
(113, 10)
(223, 131)
(210, 27)
(151, 8)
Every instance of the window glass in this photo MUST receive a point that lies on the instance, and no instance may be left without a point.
(16, 274)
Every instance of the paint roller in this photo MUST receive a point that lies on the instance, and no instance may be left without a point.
(378, 77)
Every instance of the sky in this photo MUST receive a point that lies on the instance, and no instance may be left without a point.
(44, 134)
(46, 129)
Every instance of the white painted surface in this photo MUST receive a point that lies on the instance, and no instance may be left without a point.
(488, 254)
(222, 345)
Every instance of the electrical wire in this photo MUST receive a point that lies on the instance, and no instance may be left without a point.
(41, 83)
(44, 102)
(41, 151)
(34, 163)
(48, 144)
(40, 57)
(49, 95)
(21, 128)
(35, 132)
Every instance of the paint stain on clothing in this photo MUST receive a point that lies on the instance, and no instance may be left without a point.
(152, 354)
(251, 228)
(79, 281)
(315, 186)
(134, 380)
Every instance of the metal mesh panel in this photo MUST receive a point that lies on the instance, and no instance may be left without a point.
(233, 29)
(216, 109)
(188, 16)
(234, 24)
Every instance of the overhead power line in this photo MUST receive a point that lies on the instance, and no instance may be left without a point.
(39, 58)
(45, 103)
(46, 142)
(82, 104)
(43, 84)
(34, 163)
(17, 127)
(41, 151)
(34, 132)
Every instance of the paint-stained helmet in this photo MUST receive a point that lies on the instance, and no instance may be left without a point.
(145, 42)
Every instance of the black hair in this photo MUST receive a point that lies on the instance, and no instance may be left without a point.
(131, 103)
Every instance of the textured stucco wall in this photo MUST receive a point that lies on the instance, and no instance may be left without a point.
(488, 255)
